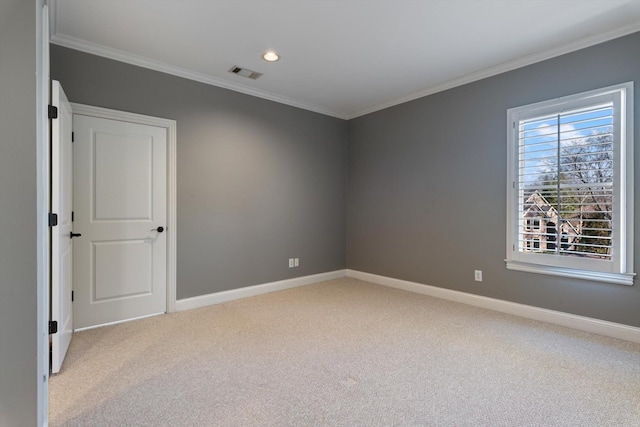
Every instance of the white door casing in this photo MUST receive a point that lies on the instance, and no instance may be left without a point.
(120, 200)
(61, 241)
(43, 208)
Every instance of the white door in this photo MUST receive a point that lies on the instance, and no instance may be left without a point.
(120, 205)
(61, 240)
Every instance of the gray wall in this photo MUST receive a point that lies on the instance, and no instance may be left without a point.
(18, 297)
(257, 182)
(427, 185)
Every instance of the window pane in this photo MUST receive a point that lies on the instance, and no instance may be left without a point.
(566, 182)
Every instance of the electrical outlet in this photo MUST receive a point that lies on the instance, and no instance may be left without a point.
(296, 262)
(478, 275)
(290, 262)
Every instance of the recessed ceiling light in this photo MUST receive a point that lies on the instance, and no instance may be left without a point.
(270, 56)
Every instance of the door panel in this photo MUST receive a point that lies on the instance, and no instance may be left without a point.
(123, 178)
(122, 269)
(119, 201)
(61, 242)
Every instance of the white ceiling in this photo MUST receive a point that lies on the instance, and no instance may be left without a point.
(340, 58)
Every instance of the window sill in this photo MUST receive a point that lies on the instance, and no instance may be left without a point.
(599, 276)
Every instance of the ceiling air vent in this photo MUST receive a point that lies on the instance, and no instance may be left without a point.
(244, 72)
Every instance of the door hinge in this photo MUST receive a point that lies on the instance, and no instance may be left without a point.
(53, 219)
(72, 297)
(53, 327)
(73, 137)
(53, 112)
(73, 216)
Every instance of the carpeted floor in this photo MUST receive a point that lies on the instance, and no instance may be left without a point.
(345, 353)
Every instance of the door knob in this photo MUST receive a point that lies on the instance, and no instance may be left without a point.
(72, 234)
(159, 229)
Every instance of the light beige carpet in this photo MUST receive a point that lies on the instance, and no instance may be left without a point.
(345, 353)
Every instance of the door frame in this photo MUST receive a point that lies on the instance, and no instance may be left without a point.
(170, 126)
(43, 187)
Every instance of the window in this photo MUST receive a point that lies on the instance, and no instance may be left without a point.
(533, 224)
(571, 166)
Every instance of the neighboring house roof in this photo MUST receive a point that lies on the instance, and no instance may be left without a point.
(538, 203)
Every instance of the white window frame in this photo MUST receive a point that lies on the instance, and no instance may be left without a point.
(620, 268)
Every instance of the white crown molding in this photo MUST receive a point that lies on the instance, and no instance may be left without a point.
(582, 323)
(141, 61)
(506, 66)
(81, 45)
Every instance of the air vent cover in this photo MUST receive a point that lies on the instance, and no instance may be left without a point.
(244, 72)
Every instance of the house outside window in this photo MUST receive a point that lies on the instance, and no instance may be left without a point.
(540, 224)
(570, 186)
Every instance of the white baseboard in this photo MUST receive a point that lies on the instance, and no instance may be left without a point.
(117, 322)
(250, 291)
(587, 324)
(582, 323)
